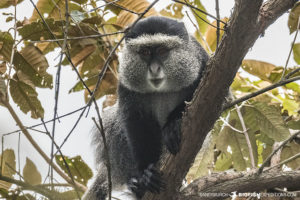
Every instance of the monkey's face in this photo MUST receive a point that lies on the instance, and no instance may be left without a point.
(158, 63)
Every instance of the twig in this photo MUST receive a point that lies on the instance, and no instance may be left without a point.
(64, 160)
(218, 22)
(291, 73)
(37, 147)
(202, 11)
(13, 47)
(229, 125)
(294, 157)
(57, 85)
(238, 110)
(36, 125)
(106, 3)
(254, 94)
(123, 8)
(291, 49)
(107, 156)
(43, 191)
(200, 34)
(271, 155)
(79, 38)
(203, 18)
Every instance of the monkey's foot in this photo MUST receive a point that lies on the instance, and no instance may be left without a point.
(172, 136)
(150, 180)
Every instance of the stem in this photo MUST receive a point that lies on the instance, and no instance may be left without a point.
(39, 150)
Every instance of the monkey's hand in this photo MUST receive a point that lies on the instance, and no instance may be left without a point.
(149, 180)
(172, 135)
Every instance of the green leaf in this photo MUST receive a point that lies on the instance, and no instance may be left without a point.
(241, 84)
(6, 43)
(53, 9)
(36, 31)
(265, 146)
(80, 1)
(33, 63)
(258, 68)
(203, 161)
(296, 52)
(294, 124)
(237, 143)
(201, 24)
(7, 3)
(173, 10)
(31, 174)
(288, 151)
(293, 17)
(211, 34)
(24, 95)
(224, 162)
(8, 160)
(293, 86)
(291, 105)
(267, 119)
(8, 19)
(9, 195)
(3, 94)
(79, 169)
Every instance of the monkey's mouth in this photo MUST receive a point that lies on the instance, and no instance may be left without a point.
(156, 82)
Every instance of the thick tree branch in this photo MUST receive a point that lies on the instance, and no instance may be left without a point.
(248, 21)
(226, 182)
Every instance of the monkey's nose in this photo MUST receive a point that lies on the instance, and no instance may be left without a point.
(154, 69)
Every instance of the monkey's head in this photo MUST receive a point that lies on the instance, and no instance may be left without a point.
(160, 56)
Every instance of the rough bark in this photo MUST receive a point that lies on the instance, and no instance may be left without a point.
(227, 182)
(249, 20)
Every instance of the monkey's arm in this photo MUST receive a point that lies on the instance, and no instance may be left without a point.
(171, 132)
(145, 145)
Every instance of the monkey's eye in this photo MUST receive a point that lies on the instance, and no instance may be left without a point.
(145, 52)
(162, 50)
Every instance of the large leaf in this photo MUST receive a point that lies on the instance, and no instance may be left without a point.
(33, 63)
(31, 174)
(173, 10)
(79, 169)
(203, 161)
(9, 195)
(7, 3)
(125, 18)
(199, 16)
(267, 119)
(294, 17)
(224, 162)
(258, 68)
(80, 50)
(37, 30)
(24, 95)
(288, 151)
(237, 143)
(8, 167)
(211, 34)
(53, 9)
(296, 52)
(3, 94)
(6, 43)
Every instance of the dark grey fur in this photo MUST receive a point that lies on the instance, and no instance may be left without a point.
(161, 105)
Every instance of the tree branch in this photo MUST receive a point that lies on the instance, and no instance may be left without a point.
(226, 182)
(249, 20)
